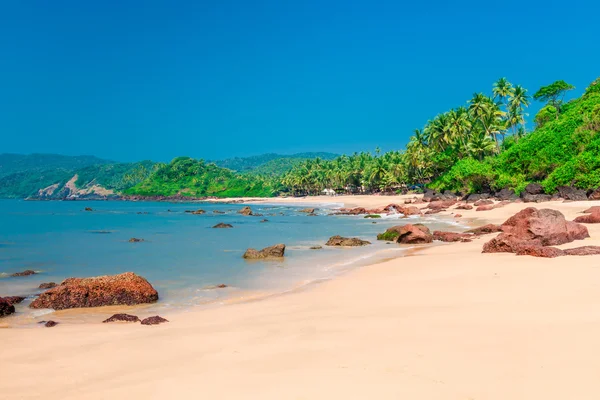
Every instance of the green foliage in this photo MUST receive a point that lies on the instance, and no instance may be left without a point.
(15, 163)
(185, 176)
(553, 94)
(466, 176)
(27, 183)
(270, 164)
(373, 216)
(115, 176)
(390, 236)
(546, 114)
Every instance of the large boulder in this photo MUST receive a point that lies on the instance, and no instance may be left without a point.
(343, 241)
(464, 207)
(122, 318)
(123, 289)
(487, 207)
(452, 236)
(483, 202)
(245, 211)
(539, 251)
(14, 299)
(277, 251)
(472, 198)
(441, 204)
(535, 198)
(571, 193)
(583, 251)
(407, 234)
(485, 229)
(506, 194)
(593, 218)
(533, 227)
(594, 195)
(534, 188)
(6, 307)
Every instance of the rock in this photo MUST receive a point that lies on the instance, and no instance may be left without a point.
(535, 198)
(88, 209)
(442, 204)
(452, 236)
(483, 202)
(593, 218)
(218, 212)
(316, 247)
(245, 211)
(583, 251)
(307, 210)
(353, 211)
(221, 286)
(594, 195)
(122, 318)
(534, 188)
(410, 210)
(592, 210)
(407, 234)
(506, 194)
(539, 251)
(533, 227)
(50, 324)
(464, 207)
(264, 220)
(276, 251)
(458, 216)
(27, 272)
(14, 299)
(436, 211)
(431, 195)
(135, 240)
(197, 212)
(123, 289)
(484, 230)
(472, 198)
(571, 193)
(485, 208)
(501, 204)
(155, 320)
(222, 225)
(6, 307)
(342, 241)
(47, 285)
(257, 215)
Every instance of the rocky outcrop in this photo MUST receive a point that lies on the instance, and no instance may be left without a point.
(539, 251)
(407, 234)
(47, 285)
(535, 198)
(222, 225)
(307, 210)
(485, 229)
(195, 212)
(343, 241)
(532, 228)
(14, 299)
(485, 208)
(506, 194)
(534, 188)
(277, 251)
(123, 289)
(592, 210)
(464, 207)
(122, 318)
(441, 204)
(155, 320)
(472, 198)
(452, 236)
(6, 307)
(27, 272)
(583, 251)
(245, 211)
(483, 202)
(593, 218)
(571, 193)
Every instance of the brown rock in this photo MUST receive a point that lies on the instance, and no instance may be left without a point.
(88, 209)
(6, 307)
(246, 211)
(155, 320)
(458, 216)
(50, 324)
(342, 241)
(539, 251)
(135, 240)
(483, 230)
(436, 211)
(47, 285)
(27, 272)
(411, 234)
(222, 225)
(122, 318)
(485, 208)
(410, 210)
(14, 299)
(218, 212)
(583, 251)
(441, 204)
(307, 210)
(595, 195)
(276, 251)
(533, 227)
(483, 202)
(589, 218)
(464, 207)
(353, 211)
(221, 286)
(592, 210)
(316, 247)
(123, 289)
(452, 236)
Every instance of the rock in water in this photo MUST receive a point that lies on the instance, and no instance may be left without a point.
(27, 272)
(155, 320)
(276, 251)
(14, 299)
(6, 307)
(223, 225)
(122, 318)
(245, 211)
(47, 285)
(122, 289)
(533, 227)
(88, 209)
(135, 240)
(307, 210)
(342, 241)
(316, 247)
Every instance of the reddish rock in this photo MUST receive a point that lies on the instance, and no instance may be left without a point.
(533, 227)
(583, 251)
(27, 272)
(458, 216)
(47, 285)
(276, 251)
(410, 210)
(50, 324)
(592, 210)
(595, 195)
(539, 251)
(342, 241)
(155, 320)
(122, 289)
(589, 218)
(440, 204)
(483, 202)
(14, 299)
(221, 286)
(122, 318)
(245, 211)
(412, 234)
(486, 229)
(452, 236)
(464, 207)
(436, 211)
(6, 307)
(501, 204)
(484, 208)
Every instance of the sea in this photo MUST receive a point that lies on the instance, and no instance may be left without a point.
(181, 255)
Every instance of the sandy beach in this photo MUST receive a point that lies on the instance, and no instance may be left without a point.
(445, 323)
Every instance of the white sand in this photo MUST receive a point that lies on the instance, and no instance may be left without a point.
(447, 323)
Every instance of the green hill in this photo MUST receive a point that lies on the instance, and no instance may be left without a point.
(270, 164)
(15, 163)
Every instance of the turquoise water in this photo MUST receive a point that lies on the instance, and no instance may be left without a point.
(182, 256)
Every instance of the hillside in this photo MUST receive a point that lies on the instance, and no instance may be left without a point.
(270, 164)
(185, 176)
(15, 163)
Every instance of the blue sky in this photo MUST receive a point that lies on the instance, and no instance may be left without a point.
(213, 79)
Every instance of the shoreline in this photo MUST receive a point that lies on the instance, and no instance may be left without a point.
(448, 322)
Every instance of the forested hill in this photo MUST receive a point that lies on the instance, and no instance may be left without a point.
(271, 163)
(14, 163)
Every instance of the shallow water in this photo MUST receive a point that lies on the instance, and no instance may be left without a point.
(182, 255)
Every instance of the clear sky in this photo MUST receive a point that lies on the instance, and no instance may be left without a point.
(130, 80)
